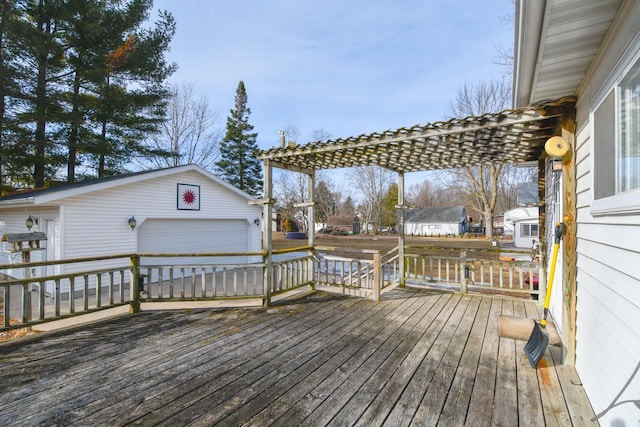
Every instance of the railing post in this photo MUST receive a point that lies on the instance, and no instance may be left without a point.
(464, 272)
(133, 284)
(377, 275)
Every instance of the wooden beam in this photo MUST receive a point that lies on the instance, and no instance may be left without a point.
(267, 235)
(569, 251)
(305, 204)
(289, 167)
(262, 201)
(401, 238)
(311, 213)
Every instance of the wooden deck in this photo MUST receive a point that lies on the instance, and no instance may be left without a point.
(417, 358)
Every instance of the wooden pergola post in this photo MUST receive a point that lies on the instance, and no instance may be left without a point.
(569, 243)
(311, 212)
(267, 238)
(401, 207)
(542, 229)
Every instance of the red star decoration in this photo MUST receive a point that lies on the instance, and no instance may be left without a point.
(189, 197)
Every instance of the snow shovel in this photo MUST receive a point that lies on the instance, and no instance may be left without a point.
(539, 338)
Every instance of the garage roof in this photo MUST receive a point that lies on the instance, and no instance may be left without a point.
(512, 136)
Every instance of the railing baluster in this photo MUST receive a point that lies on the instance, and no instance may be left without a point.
(85, 293)
(235, 282)
(72, 295)
(111, 277)
(98, 290)
(57, 297)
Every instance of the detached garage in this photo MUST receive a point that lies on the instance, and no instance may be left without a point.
(184, 209)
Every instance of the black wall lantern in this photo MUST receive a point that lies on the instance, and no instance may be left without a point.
(132, 222)
(30, 221)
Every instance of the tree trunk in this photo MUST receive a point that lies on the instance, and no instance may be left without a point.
(75, 125)
(488, 224)
(6, 8)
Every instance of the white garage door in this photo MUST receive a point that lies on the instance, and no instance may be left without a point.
(193, 236)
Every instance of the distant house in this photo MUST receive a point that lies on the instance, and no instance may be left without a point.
(436, 221)
(184, 209)
(523, 224)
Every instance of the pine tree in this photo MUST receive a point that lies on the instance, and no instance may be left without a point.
(9, 72)
(82, 84)
(238, 165)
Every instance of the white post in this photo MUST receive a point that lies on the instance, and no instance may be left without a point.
(267, 244)
(401, 228)
(311, 213)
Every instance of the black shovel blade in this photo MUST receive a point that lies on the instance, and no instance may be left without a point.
(537, 344)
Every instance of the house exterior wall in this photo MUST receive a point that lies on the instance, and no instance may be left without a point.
(518, 214)
(608, 232)
(156, 198)
(554, 215)
(520, 238)
(13, 221)
(95, 223)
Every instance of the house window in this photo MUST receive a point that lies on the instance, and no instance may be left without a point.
(628, 153)
(529, 230)
(616, 145)
(604, 132)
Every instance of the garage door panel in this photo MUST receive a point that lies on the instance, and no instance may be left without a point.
(193, 236)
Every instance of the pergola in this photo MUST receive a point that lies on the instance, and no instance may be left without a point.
(510, 136)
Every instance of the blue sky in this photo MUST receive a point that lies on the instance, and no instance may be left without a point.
(348, 67)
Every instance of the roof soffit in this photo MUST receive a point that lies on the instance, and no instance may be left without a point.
(554, 54)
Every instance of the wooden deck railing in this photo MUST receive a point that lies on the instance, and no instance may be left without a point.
(505, 276)
(32, 300)
(367, 275)
(133, 279)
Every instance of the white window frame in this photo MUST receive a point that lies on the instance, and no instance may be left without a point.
(528, 226)
(625, 202)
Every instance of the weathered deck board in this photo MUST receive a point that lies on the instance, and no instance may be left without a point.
(480, 410)
(416, 358)
(458, 396)
(505, 405)
(529, 401)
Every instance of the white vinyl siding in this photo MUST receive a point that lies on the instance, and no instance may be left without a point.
(108, 210)
(442, 229)
(13, 221)
(608, 232)
(93, 220)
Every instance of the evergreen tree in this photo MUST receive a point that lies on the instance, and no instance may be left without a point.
(238, 165)
(325, 202)
(38, 106)
(9, 72)
(82, 84)
(389, 202)
(129, 84)
(348, 207)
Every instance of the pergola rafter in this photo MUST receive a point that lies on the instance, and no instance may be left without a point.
(510, 136)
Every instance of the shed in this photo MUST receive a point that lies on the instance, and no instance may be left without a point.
(436, 221)
(523, 224)
(184, 209)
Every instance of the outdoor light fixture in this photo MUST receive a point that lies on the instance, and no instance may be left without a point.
(556, 164)
(257, 222)
(556, 147)
(132, 222)
(30, 221)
